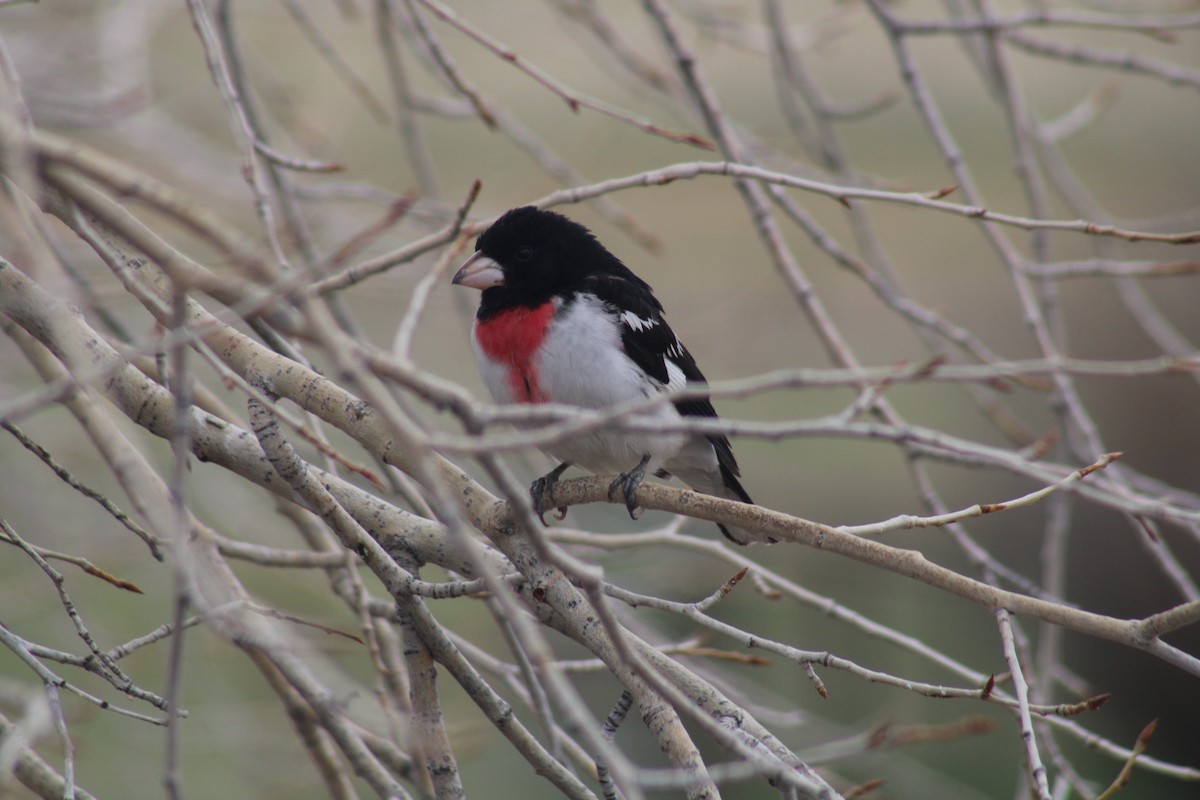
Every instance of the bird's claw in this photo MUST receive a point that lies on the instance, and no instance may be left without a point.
(543, 486)
(536, 490)
(627, 483)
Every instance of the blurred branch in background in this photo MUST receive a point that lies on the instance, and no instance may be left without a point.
(942, 256)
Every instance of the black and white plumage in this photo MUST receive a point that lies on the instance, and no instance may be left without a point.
(563, 320)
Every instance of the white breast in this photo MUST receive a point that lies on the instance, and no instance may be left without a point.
(582, 363)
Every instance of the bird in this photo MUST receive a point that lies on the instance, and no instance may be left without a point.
(563, 320)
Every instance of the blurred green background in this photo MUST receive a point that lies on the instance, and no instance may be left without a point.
(129, 78)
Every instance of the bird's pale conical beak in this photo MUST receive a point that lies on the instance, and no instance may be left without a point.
(479, 272)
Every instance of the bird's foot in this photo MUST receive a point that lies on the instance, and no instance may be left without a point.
(627, 483)
(543, 485)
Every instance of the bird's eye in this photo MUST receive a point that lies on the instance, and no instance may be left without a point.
(524, 254)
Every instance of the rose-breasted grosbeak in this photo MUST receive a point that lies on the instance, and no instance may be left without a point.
(563, 320)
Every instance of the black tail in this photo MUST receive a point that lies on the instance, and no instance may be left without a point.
(729, 477)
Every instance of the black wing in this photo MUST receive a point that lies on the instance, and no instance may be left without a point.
(649, 341)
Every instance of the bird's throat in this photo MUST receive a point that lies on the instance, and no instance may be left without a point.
(512, 337)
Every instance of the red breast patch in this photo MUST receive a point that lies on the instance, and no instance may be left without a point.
(512, 338)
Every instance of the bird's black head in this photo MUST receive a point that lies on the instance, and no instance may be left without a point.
(528, 256)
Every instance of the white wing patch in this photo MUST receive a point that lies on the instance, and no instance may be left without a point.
(637, 323)
(675, 377)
